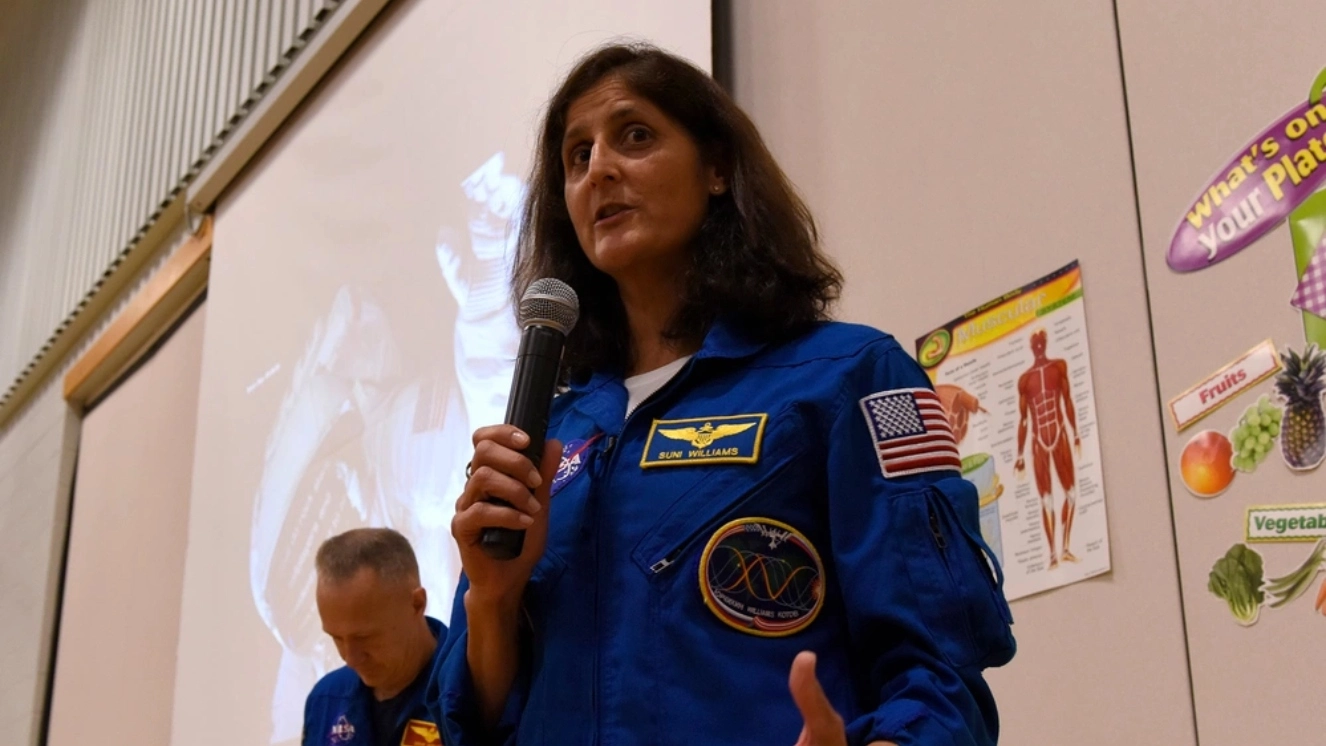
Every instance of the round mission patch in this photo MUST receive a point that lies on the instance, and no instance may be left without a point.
(762, 577)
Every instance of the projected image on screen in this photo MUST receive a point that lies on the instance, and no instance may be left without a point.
(362, 440)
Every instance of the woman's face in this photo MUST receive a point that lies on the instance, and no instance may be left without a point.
(636, 186)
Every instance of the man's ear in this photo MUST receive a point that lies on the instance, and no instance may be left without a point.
(419, 600)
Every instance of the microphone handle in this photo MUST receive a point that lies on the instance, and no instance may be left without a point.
(532, 389)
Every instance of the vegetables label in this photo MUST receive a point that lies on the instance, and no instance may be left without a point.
(1286, 523)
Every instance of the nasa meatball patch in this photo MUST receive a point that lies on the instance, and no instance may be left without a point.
(574, 455)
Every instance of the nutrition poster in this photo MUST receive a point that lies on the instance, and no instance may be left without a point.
(1014, 376)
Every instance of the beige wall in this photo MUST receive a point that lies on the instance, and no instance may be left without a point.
(37, 452)
(37, 447)
(124, 574)
(1191, 111)
(954, 151)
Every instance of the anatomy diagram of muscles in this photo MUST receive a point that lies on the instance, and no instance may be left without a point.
(1045, 412)
(1014, 378)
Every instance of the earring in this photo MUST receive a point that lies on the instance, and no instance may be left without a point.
(717, 189)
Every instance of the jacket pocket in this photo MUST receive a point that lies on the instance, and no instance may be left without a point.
(957, 585)
(542, 582)
(720, 496)
(685, 633)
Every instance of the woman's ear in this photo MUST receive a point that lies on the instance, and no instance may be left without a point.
(714, 173)
(717, 182)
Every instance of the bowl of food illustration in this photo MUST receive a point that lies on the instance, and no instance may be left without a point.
(979, 469)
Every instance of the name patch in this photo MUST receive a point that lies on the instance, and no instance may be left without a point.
(726, 439)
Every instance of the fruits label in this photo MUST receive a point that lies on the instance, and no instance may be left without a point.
(1253, 367)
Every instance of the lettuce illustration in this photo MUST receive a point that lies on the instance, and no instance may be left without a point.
(1237, 578)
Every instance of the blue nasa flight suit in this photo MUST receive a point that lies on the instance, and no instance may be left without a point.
(771, 498)
(339, 709)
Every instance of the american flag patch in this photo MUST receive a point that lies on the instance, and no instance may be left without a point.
(911, 432)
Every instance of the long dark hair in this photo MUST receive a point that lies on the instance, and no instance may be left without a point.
(756, 261)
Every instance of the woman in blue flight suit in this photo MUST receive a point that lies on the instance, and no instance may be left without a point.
(749, 498)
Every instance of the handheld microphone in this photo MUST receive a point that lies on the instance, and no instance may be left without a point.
(548, 311)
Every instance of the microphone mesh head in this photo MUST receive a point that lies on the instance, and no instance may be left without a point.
(550, 302)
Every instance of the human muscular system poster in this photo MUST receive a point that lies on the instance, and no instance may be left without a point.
(1014, 376)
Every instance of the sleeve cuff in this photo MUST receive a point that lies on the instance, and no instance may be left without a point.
(460, 705)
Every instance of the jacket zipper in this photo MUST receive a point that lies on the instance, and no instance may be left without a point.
(609, 455)
(935, 531)
(605, 459)
(683, 373)
(941, 541)
(669, 559)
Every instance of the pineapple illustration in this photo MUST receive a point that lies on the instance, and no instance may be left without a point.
(1303, 433)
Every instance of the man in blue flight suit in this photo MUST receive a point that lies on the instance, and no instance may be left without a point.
(372, 605)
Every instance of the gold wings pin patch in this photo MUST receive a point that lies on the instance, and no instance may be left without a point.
(727, 439)
(704, 435)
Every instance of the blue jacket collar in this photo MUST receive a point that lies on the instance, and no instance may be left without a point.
(438, 629)
(605, 404)
(724, 341)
